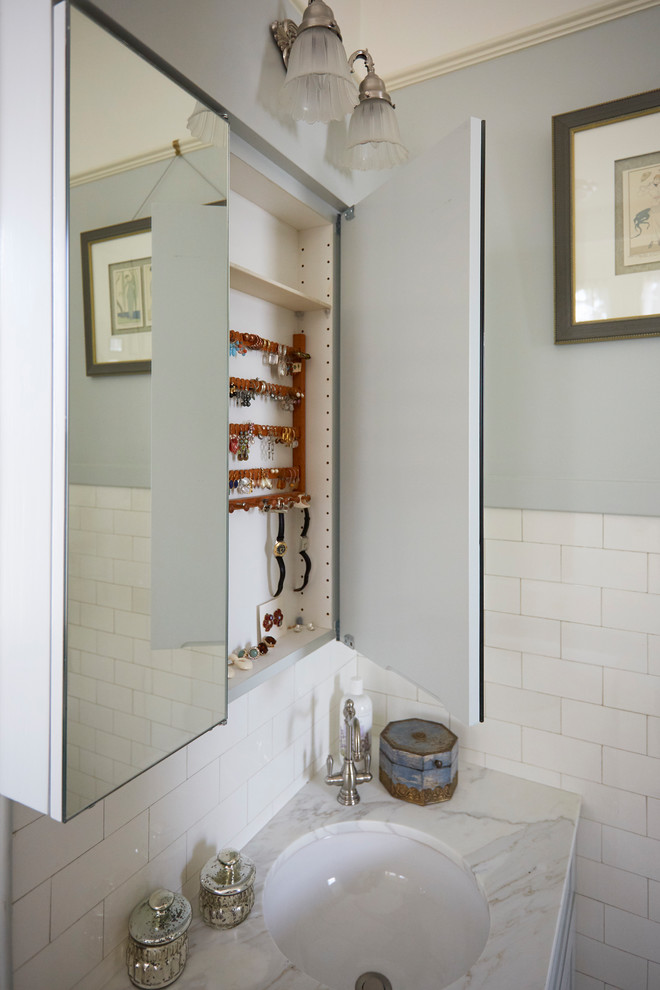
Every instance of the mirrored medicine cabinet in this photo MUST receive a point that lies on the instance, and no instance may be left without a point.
(392, 424)
(145, 644)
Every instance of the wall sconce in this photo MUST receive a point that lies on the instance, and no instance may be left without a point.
(207, 126)
(320, 86)
(373, 131)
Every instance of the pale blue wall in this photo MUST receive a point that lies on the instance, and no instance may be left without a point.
(571, 426)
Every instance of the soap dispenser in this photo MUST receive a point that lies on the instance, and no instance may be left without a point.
(364, 712)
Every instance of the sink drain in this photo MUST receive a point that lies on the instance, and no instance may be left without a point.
(372, 981)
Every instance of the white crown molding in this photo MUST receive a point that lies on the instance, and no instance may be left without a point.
(127, 164)
(547, 31)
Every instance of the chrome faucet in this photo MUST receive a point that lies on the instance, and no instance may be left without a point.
(349, 777)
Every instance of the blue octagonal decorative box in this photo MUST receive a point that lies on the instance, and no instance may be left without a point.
(419, 761)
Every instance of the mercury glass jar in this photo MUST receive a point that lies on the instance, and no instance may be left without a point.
(158, 942)
(226, 894)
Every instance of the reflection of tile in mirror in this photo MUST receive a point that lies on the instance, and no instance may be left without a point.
(128, 705)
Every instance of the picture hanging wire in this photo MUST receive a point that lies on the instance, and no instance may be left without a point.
(178, 154)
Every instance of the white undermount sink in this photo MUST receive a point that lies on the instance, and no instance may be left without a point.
(349, 904)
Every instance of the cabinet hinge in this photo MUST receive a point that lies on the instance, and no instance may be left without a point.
(349, 641)
(347, 215)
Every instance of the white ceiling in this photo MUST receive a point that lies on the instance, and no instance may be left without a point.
(413, 40)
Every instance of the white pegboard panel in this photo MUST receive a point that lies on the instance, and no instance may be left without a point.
(316, 261)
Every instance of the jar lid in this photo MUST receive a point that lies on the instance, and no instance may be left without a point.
(161, 918)
(228, 873)
(419, 737)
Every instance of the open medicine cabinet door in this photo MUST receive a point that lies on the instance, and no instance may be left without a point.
(411, 423)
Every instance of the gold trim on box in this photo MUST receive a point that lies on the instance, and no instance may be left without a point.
(430, 795)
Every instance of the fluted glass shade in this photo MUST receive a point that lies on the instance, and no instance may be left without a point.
(319, 85)
(373, 137)
(207, 127)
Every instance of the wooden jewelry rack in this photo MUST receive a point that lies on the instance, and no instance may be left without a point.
(279, 501)
(269, 503)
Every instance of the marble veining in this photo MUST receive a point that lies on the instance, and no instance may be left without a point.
(517, 837)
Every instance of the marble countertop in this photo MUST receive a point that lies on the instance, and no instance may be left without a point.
(517, 837)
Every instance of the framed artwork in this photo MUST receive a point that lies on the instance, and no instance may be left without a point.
(116, 276)
(607, 220)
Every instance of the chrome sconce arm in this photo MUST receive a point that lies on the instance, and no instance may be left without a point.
(372, 86)
(284, 34)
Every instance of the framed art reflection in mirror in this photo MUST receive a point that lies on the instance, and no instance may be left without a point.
(116, 274)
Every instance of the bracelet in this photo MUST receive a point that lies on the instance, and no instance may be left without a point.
(304, 544)
(279, 549)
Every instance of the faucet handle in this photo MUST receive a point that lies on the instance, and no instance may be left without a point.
(329, 763)
(367, 762)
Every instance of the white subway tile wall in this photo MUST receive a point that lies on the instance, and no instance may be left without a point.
(587, 640)
(572, 699)
(76, 884)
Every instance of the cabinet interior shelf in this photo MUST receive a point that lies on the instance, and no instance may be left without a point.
(290, 649)
(252, 284)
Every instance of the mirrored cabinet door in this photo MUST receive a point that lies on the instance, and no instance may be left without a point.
(411, 428)
(145, 642)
